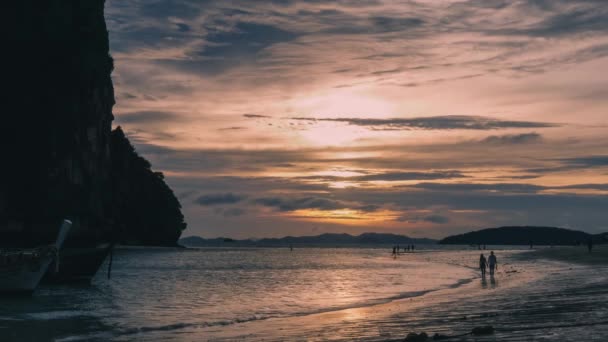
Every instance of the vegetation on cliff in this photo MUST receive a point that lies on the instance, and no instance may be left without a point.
(145, 205)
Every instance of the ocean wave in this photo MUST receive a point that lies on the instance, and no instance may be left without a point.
(238, 320)
(50, 315)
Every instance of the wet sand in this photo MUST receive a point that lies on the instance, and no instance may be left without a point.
(534, 296)
(576, 254)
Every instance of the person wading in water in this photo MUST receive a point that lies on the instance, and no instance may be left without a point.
(492, 263)
(482, 265)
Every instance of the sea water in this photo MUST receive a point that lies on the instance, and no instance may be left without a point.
(171, 291)
(315, 294)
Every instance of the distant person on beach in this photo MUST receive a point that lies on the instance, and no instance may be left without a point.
(492, 262)
(482, 265)
(413, 247)
(590, 245)
(394, 252)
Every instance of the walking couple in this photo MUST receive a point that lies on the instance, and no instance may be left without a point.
(491, 263)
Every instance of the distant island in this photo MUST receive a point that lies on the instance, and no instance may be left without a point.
(515, 235)
(323, 240)
(524, 235)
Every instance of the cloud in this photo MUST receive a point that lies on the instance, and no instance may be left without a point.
(587, 161)
(574, 163)
(438, 219)
(217, 199)
(292, 204)
(216, 60)
(318, 203)
(233, 212)
(146, 117)
(406, 176)
(233, 128)
(447, 122)
(255, 116)
(434, 218)
(480, 187)
(182, 27)
(244, 40)
(525, 138)
(576, 20)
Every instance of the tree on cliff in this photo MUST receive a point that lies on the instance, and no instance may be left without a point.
(144, 206)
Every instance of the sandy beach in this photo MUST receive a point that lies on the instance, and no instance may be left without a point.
(551, 294)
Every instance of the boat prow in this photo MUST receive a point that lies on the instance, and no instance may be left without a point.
(22, 269)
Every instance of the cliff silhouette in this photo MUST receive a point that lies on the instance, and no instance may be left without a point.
(145, 205)
(57, 122)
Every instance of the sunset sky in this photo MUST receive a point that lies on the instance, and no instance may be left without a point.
(418, 117)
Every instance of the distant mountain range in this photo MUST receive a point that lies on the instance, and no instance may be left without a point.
(524, 236)
(323, 240)
(518, 235)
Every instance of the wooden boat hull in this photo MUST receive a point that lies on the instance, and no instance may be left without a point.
(22, 269)
(23, 277)
(78, 265)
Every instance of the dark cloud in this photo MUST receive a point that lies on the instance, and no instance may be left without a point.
(255, 116)
(171, 8)
(233, 128)
(146, 117)
(245, 40)
(570, 164)
(439, 80)
(392, 24)
(291, 204)
(525, 138)
(438, 219)
(182, 27)
(493, 187)
(216, 199)
(318, 203)
(447, 122)
(344, 24)
(233, 212)
(434, 218)
(405, 176)
(588, 161)
(572, 21)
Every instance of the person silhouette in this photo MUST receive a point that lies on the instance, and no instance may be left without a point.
(482, 265)
(492, 262)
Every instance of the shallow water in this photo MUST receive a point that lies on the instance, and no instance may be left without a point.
(169, 290)
(311, 294)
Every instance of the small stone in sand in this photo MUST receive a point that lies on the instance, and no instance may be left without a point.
(413, 337)
(486, 330)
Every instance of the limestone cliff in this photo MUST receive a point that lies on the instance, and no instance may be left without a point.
(57, 129)
(56, 123)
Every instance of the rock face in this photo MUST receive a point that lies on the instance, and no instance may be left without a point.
(57, 132)
(56, 124)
